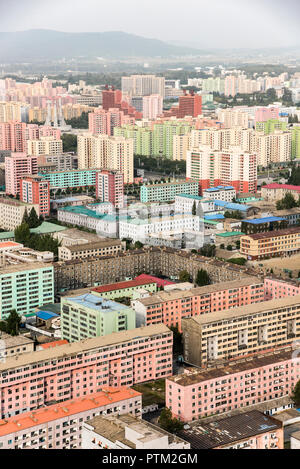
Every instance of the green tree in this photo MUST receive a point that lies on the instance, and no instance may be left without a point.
(229, 247)
(33, 221)
(208, 250)
(22, 234)
(202, 278)
(25, 217)
(69, 143)
(138, 245)
(295, 396)
(177, 340)
(194, 209)
(168, 423)
(287, 202)
(184, 276)
(12, 323)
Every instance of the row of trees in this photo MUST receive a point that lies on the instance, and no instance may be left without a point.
(34, 241)
(294, 179)
(81, 122)
(287, 202)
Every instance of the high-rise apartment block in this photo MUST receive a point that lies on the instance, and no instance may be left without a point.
(143, 85)
(18, 165)
(34, 190)
(103, 121)
(102, 151)
(110, 187)
(45, 146)
(152, 106)
(220, 168)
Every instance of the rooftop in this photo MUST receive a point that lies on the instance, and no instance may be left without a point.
(258, 221)
(102, 243)
(84, 346)
(219, 188)
(195, 375)
(254, 308)
(179, 294)
(113, 428)
(164, 184)
(150, 278)
(229, 234)
(65, 409)
(97, 303)
(13, 341)
(122, 285)
(282, 186)
(23, 267)
(274, 234)
(230, 430)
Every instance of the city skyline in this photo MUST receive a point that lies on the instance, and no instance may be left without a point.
(151, 21)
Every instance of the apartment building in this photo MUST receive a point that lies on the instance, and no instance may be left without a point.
(104, 225)
(12, 212)
(127, 432)
(70, 179)
(110, 187)
(171, 307)
(234, 168)
(200, 393)
(34, 190)
(241, 331)
(45, 146)
(143, 85)
(271, 244)
(126, 289)
(103, 247)
(105, 152)
(167, 191)
(247, 430)
(82, 368)
(60, 426)
(13, 111)
(103, 121)
(278, 288)
(25, 287)
(181, 144)
(18, 165)
(90, 315)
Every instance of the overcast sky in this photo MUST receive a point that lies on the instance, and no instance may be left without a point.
(209, 23)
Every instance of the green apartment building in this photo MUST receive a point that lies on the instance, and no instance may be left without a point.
(166, 192)
(296, 142)
(142, 138)
(270, 126)
(90, 315)
(25, 287)
(72, 178)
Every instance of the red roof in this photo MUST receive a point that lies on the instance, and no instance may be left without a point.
(122, 285)
(54, 344)
(159, 281)
(282, 186)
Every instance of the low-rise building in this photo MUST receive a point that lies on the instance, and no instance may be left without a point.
(167, 191)
(90, 315)
(14, 345)
(125, 289)
(198, 393)
(251, 430)
(12, 212)
(127, 432)
(271, 244)
(104, 247)
(278, 191)
(60, 425)
(71, 178)
(261, 225)
(226, 193)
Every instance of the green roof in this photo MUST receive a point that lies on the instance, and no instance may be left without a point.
(7, 234)
(47, 227)
(230, 233)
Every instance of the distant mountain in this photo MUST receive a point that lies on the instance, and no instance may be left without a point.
(25, 46)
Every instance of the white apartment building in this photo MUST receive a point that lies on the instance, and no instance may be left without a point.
(225, 193)
(181, 144)
(12, 212)
(44, 146)
(143, 85)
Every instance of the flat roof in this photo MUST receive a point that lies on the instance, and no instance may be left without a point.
(83, 346)
(97, 303)
(102, 243)
(195, 376)
(179, 294)
(228, 431)
(274, 234)
(13, 341)
(258, 221)
(21, 267)
(122, 285)
(229, 234)
(65, 409)
(45, 315)
(174, 183)
(254, 308)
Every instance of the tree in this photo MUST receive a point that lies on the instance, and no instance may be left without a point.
(69, 143)
(177, 341)
(22, 234)
(138, 245)
(202, 278)
(295, 396)
(208, 250)
(287, 202)
(168, 423)
(12, 323)
(229, 247)
(194, 209)
(33, 221)
(184, 276)
(25, 217)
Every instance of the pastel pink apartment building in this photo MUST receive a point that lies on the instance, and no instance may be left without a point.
(196, 394)
(59, 426)
(14, 135)
(73, 371)
(18, 165)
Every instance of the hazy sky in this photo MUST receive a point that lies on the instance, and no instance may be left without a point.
(215, 23)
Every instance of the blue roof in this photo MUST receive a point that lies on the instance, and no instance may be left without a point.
(218, 188)
(258, 221)
(46, 315)
(231, 206)
(219, 216)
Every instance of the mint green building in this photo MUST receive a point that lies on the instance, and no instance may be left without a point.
(296, 142)
(25, 287)
(127, 289)
(142, 138)
(270, 126)
(166, 192)
(89, 315)
(71, 178)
